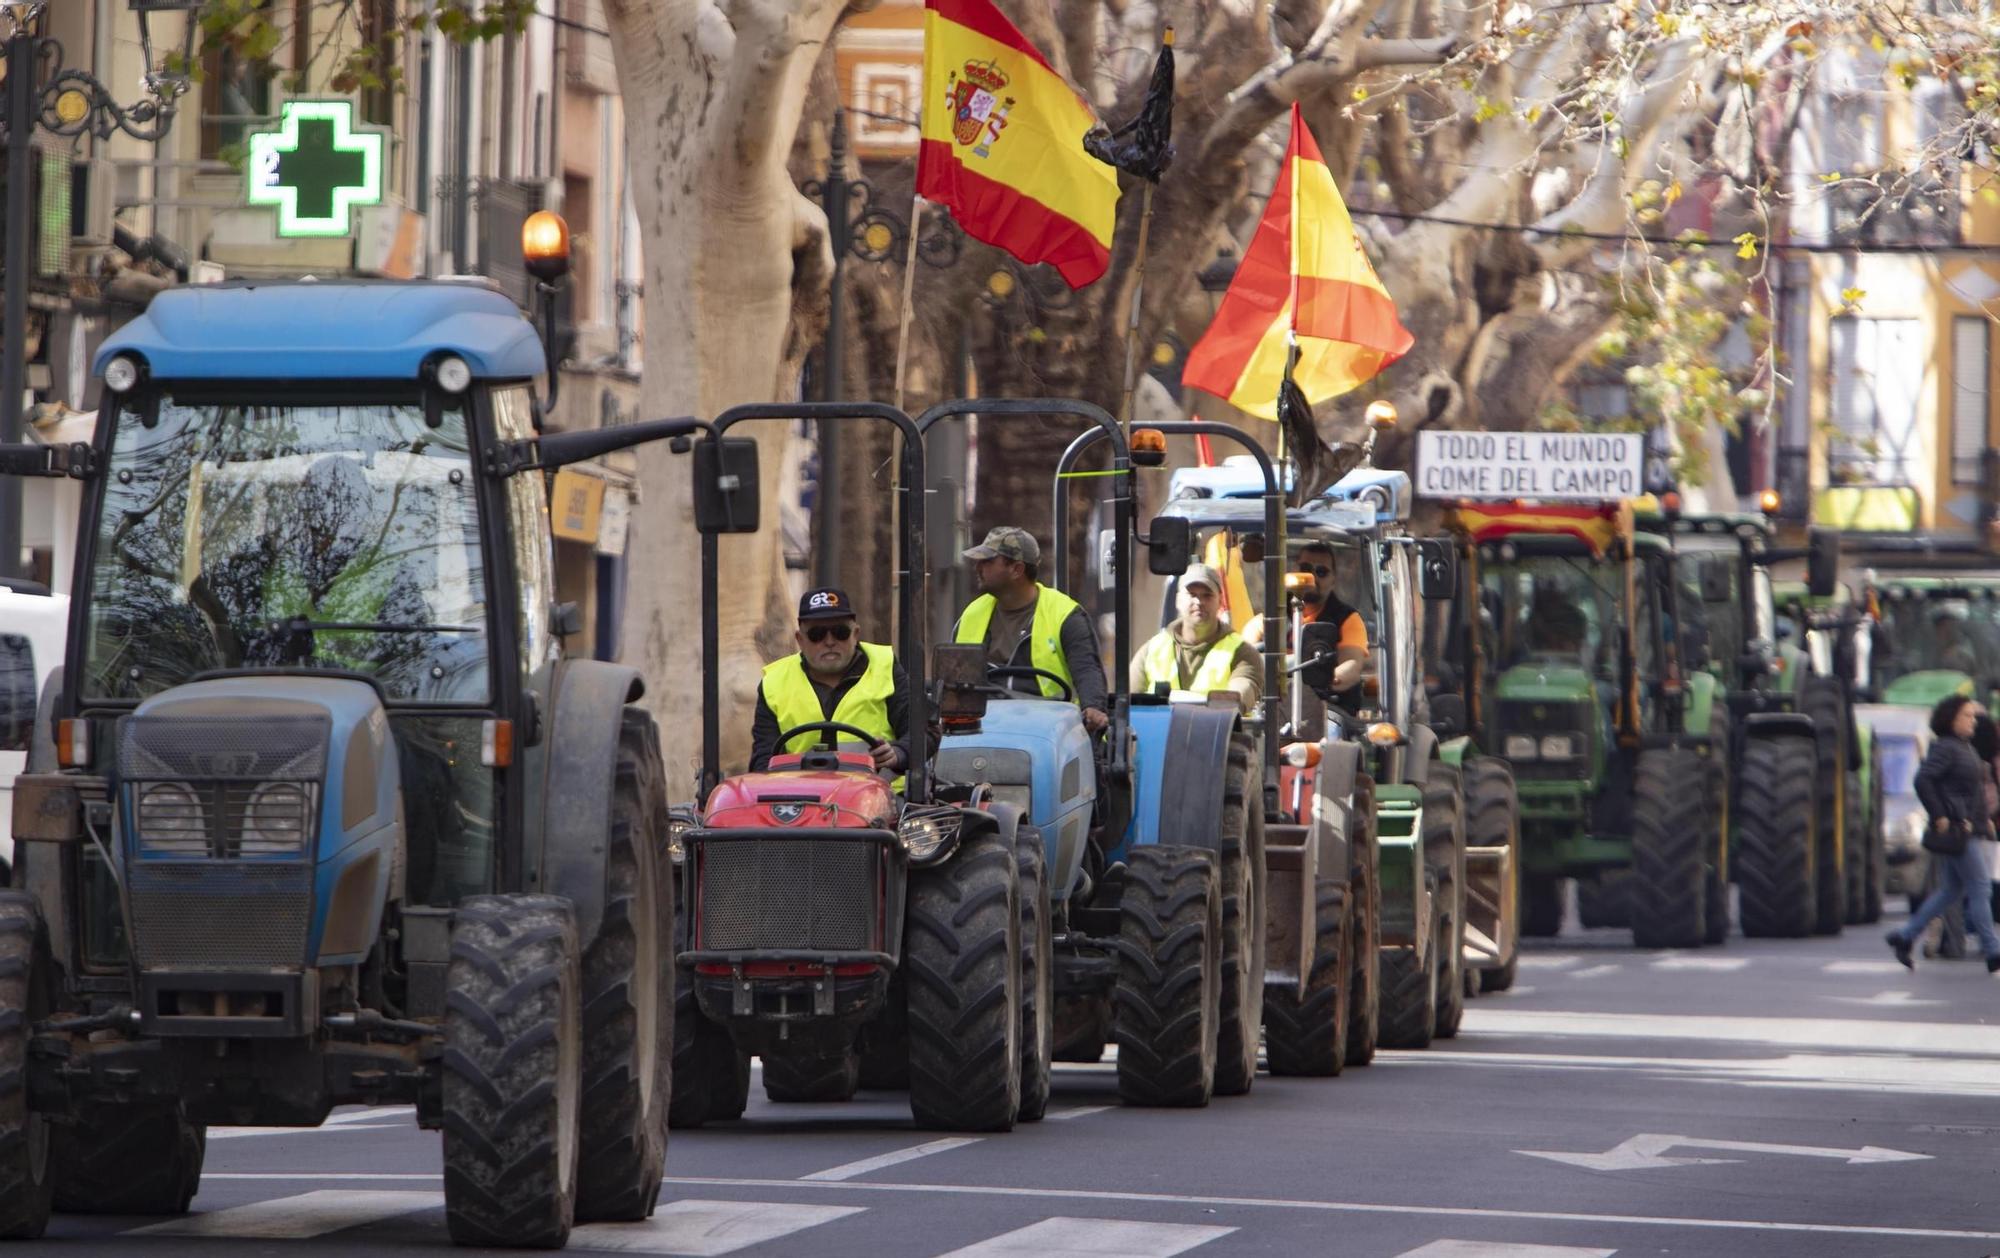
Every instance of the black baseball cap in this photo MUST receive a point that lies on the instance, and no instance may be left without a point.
(825, 603)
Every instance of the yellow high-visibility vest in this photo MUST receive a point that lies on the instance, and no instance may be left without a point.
(789, 693)
(1045, 652)
(1163, 663)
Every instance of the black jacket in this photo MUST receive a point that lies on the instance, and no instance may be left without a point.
(1952, 784)
(764, 729)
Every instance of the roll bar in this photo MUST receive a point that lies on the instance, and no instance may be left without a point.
(909, 593)
(1274, 556)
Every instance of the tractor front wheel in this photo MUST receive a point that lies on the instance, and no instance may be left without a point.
(1671, 837)
(1775, 865)
(962, 962)
(1307, 1035)
(1167, 1003)
(24, 1134)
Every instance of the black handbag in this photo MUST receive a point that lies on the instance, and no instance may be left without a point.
(1949, 841)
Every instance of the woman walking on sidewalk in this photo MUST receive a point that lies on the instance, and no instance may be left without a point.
(1952, 786)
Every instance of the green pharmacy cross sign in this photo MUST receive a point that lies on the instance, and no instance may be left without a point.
(316, 167)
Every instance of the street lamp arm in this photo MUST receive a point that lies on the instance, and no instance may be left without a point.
(75, 102)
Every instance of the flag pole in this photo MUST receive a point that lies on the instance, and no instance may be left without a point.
(909, 283)
(1138, 301)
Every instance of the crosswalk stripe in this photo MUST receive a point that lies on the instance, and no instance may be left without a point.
(705, 1229)
(848, 1170)
(299, 1217)
(1080, 1111)
(1093, 1238)
(1494, 1249)
(1596, 971)
(1861, 967)
(1713, 965)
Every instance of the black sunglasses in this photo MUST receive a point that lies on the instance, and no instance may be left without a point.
(820, 633)
(1317, 569)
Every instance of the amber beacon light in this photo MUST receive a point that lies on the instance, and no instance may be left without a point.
(545, 245)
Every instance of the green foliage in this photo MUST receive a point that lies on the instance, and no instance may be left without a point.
(256, 31)
(1668, 326)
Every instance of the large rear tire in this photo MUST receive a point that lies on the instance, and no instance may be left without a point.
(1776, 826)
(628, 1021)
(1444, 850)
(127, 1159)
(1823, 701)
(1167, 1003)
(812, 1079)
(1716, 917)
(1308, 1035)
(1604, 900)
(1493, 819)
(1364, 984)
(1541, 905)
(513, 1060)
(1671, 837)
(1038, 993)
(1875, 859)
(24, 1134)
(1410, 984)
(1240, 866)
(962, 962)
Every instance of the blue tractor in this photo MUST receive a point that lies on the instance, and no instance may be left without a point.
(319, 811)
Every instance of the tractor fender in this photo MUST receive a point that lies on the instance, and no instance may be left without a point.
(1195, 758)
(1333, 818)
(1423, 746)
(583, 727)
(1777, 725)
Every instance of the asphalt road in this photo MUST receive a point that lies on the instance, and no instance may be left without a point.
(1766, 1098)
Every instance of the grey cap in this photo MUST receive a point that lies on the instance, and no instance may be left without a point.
(1006, 542)
(1202, 574)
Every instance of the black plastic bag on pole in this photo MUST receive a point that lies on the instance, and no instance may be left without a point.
(1143, 147)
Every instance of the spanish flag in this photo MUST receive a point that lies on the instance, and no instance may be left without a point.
(1003, 144)
(1304, 275)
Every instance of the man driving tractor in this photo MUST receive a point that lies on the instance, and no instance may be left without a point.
(1026, 625)
(833, 676)
(1196, 653)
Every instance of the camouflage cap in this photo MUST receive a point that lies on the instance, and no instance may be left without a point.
(1018, 545)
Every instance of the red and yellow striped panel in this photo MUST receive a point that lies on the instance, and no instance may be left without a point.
(1595, 526)
(1002, 144)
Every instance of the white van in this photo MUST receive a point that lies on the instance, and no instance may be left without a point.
(33, 627)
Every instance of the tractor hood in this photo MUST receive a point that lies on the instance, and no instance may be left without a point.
(1545, 679)
(1924, 688)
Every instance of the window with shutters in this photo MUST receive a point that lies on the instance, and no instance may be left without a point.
(1970, 347)
(1877, 370)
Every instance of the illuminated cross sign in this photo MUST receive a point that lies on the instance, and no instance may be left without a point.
(316, 167)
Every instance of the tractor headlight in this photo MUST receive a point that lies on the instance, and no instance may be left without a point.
(277, 820)
(931, 835)
(1518, 747)
(452, 374)
(172, 821)
(679, 822)
(1558, 746)
(121, 373)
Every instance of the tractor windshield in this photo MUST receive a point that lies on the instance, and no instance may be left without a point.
(1562, 609)
(340, 536)
(1928, 631)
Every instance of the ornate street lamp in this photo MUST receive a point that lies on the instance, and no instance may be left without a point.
(42, 95)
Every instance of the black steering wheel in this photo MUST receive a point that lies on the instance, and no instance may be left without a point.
(1016, 670)
(827, 727)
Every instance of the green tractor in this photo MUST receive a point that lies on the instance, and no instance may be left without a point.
(1791, 830)
(1574, 675)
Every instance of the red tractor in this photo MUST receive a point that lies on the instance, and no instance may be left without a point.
(840, 931)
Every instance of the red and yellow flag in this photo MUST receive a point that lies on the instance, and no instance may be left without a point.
(1304, 274)
(1002, 144)
(1595, 526)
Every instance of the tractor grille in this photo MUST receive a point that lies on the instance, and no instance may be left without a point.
(205, 915)
(1521, 718)
(218, 787)
(789, 894)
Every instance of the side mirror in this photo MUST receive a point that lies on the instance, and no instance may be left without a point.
(1168, 548)
(1822, 562)
(1437, 568)
(959, 671)
(1448, 718)
(725, 485)
(1716, 582)
(1319, 650)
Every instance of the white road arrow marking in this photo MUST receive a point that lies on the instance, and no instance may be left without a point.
(1647, 1150)
(1887, 1000)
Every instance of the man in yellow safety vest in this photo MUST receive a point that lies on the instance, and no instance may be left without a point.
(833, 676)
(1025, 624)
(1196, 653)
